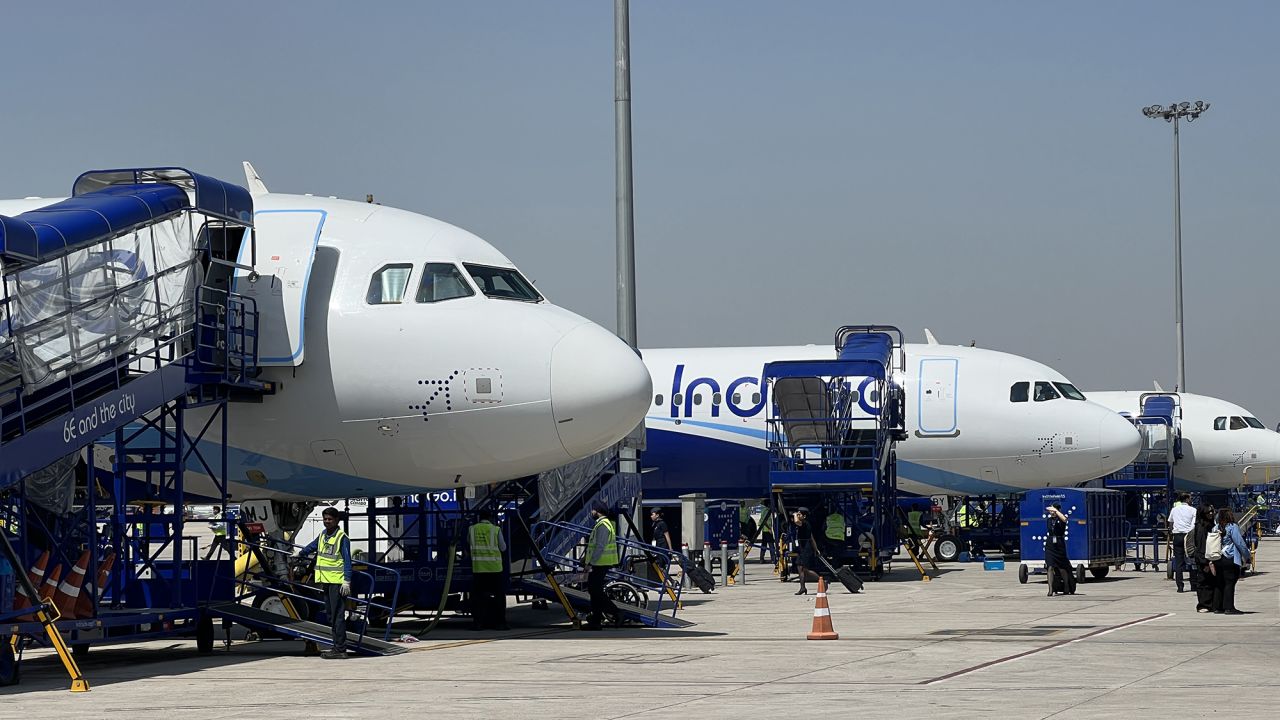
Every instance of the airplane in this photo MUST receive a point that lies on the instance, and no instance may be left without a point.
(1219, 439)
(980, 422)
(407, 355)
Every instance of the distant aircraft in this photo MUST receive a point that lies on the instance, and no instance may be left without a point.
(1219, 440)
(980, 422)
(408, 355)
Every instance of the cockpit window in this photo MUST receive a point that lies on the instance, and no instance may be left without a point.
(1018, 391)
(442, 281)
(389, 284)
(1045, 391)
(1069, 391)
(1238, 423)
(502, 283)
(1255, 423)
(1220, 423)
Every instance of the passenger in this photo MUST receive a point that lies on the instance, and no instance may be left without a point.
(1204, 578)
(1183, 519)
(661, 535)
(333, 576)
(1056, 562)
(1235, 555)
(602, 556)
(488, 593)
(806, 549)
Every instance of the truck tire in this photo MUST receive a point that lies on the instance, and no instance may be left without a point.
(1022, 574)
(1099, 572)
(1080, 573)
(947, 548)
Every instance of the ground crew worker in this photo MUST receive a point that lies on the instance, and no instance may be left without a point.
(333, 576)
(488, 593)
(219, 538)
(602, 556)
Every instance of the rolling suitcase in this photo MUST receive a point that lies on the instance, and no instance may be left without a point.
(845, 575)
(699, 576)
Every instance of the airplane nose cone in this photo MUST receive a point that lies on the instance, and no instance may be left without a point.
(599, 389)
(1118, 442)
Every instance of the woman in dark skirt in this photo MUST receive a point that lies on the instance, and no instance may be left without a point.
(806, 551)
(1055, 550)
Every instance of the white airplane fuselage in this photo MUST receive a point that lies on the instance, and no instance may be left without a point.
(967, 436)
(1219, 440)
(386, 385)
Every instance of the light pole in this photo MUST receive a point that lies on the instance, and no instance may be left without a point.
(1173, 113)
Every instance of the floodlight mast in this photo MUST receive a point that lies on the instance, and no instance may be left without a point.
(1172, 114)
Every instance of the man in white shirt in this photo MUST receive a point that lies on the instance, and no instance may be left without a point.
(1182, 518)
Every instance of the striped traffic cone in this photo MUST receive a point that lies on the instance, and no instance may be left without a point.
(822, 629)
(50, 585)
(36, 576)
(68, 593)
(84, 608)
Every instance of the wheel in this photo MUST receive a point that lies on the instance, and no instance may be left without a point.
(1099, 572)
(204, 635)
(947, 548)
(1080, 573)
(625, 593)
(1022, 574)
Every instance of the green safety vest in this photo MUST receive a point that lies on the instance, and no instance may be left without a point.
(486, 556)
(962, 516)
(913, 519)
(610, 555)
(329, 558)
(835, 526)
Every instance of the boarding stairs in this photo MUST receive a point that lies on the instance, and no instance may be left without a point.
(830, 447)
(107, 321)
(103, 314)
(549, 519)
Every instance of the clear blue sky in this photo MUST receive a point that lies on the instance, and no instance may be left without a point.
(982, 169)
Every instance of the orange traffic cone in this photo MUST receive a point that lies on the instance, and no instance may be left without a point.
(50, 585)
(36, 576)
(822, 629)
(68, 593)
(84, 608)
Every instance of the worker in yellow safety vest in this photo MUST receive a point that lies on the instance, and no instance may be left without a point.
(835, 528)
(333, 576)
(488, 593)
(602, 556)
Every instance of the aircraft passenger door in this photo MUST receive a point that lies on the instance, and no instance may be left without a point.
(936, 401)
(286, 249)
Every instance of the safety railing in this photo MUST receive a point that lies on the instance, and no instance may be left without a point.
(631, 553)
(251, 583)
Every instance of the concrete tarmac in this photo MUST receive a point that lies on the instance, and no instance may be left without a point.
(971, 643)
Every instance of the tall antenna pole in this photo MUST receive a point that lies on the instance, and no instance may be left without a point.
(626, 259)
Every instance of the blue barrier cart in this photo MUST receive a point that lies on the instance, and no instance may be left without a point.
(1095, 529)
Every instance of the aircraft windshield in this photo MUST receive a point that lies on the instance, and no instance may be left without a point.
(502, 283)
(1069, 391)
(1045, 391)
(1255, 423)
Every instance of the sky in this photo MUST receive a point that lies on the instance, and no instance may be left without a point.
(982, 169)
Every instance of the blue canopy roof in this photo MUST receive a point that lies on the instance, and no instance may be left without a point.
(863, 355)
(213, 196)
(77, 222)
(111, 202)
